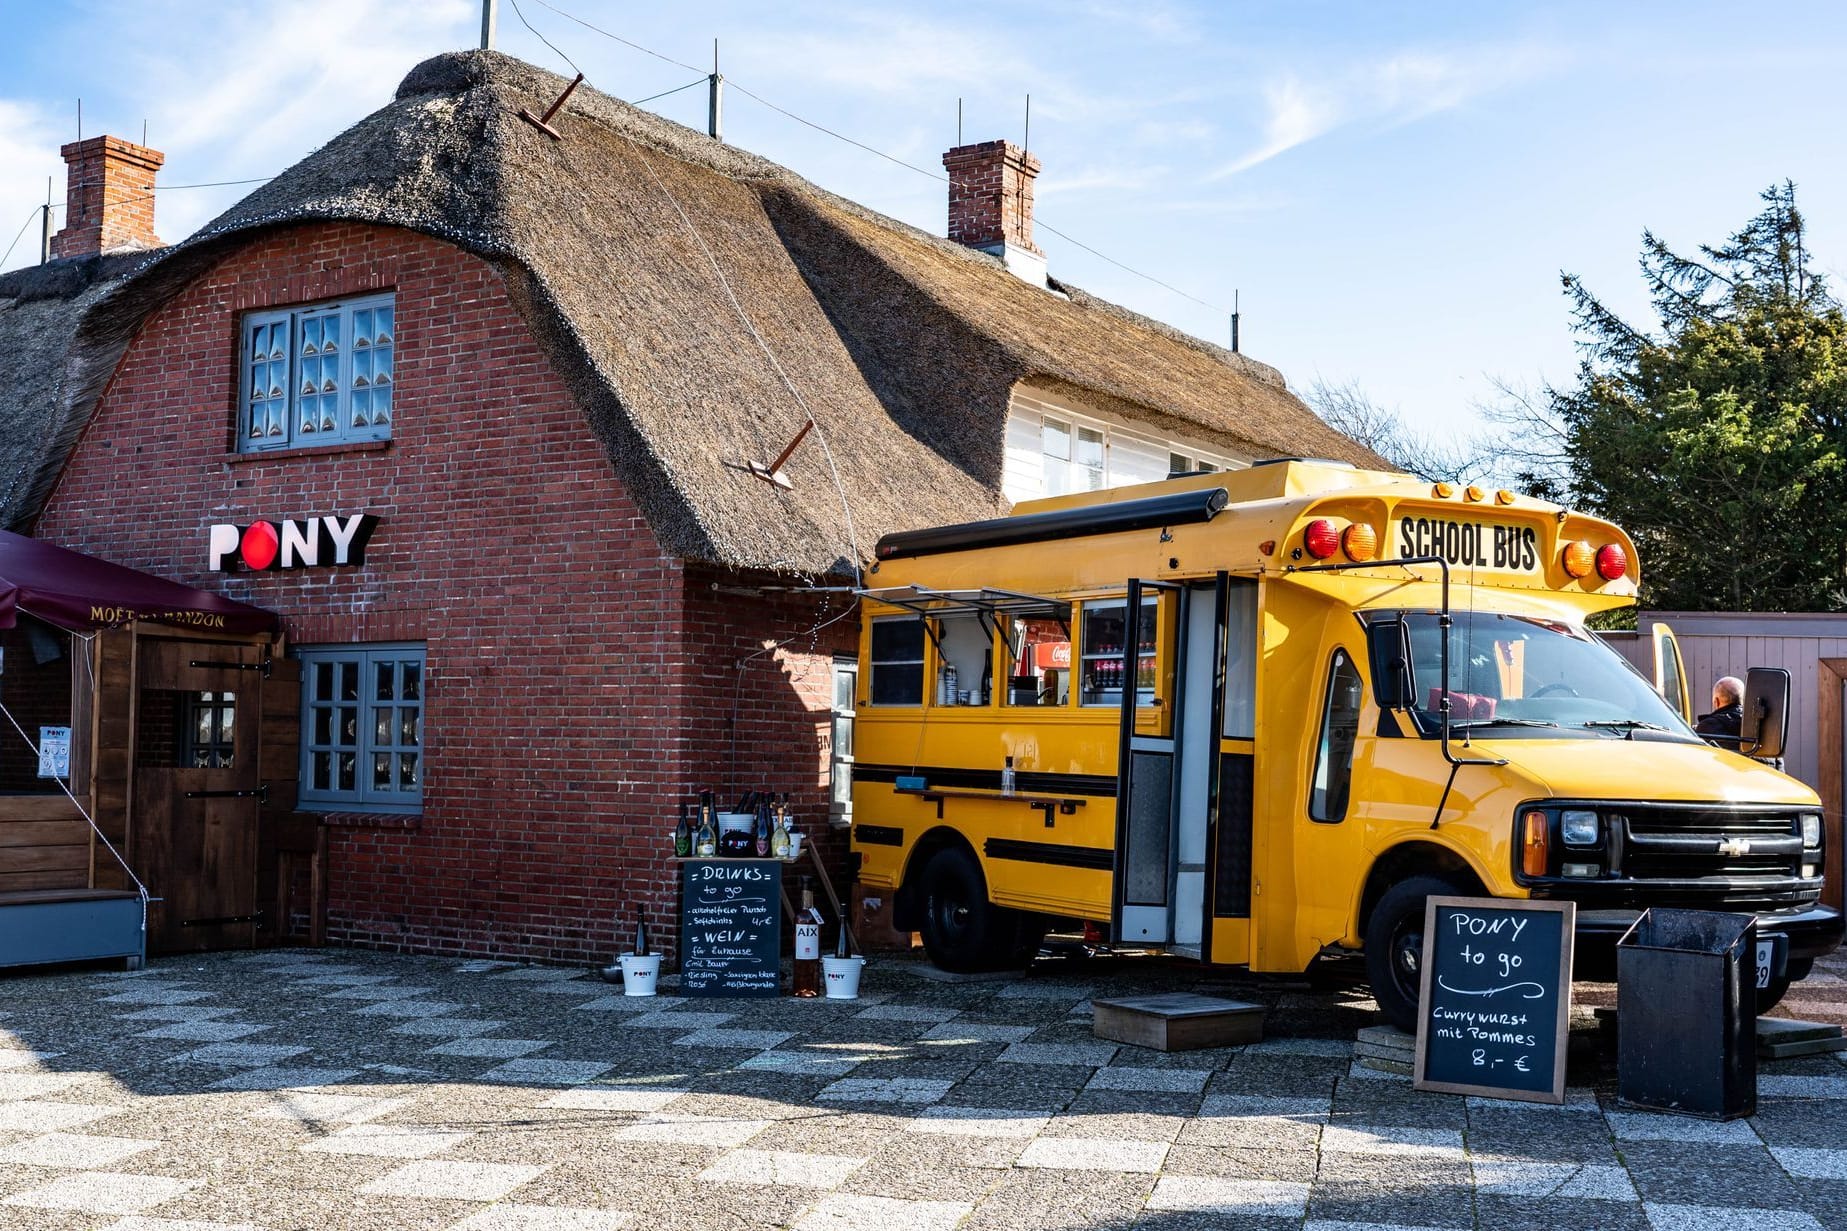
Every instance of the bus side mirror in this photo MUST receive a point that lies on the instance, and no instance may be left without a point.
(1766, 709)
(1388, 644)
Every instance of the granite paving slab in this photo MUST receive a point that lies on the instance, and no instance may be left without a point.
(384, 1092)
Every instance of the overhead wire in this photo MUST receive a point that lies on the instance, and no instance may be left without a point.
(549, 43)
(664, 93)
(737, 305)
(606, 34)
(22, 233)
(876, 152)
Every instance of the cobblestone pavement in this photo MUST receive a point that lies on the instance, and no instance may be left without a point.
(335, 1089)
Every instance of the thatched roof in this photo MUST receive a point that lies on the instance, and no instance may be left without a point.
(904, 345)
(40, 307)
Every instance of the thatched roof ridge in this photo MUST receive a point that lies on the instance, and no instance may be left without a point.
(903, 345)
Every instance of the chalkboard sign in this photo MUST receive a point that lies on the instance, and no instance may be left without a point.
(1496, 1003)
(731, 927)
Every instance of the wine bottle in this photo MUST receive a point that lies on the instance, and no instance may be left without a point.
(763, 830)
(641, 932)
(807, 976)
(842, 947)
(706, 845)
(1006, 778)
(683, 834)
(779, 834)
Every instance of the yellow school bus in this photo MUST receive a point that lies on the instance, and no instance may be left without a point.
(1257, 717)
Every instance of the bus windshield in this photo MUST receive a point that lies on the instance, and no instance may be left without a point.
(1518, 677)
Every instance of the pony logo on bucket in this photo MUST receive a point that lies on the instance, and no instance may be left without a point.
(310, 543)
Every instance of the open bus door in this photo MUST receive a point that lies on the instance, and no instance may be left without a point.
(1167, 784)
(1670, 675)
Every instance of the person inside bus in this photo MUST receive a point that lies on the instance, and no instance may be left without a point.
(1727, 717)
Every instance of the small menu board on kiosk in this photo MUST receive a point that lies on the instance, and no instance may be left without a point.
(731, 927)
(1495, 1009)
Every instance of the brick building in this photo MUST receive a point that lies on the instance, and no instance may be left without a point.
(474, 409)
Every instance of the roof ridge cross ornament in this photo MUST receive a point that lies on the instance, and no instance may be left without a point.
(543, 122)
(772, 473)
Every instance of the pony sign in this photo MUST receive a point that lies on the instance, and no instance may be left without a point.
(310, 543)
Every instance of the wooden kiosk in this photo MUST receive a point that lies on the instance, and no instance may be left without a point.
(148, 764)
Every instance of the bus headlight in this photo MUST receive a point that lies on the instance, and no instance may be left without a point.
(1811, 831)
(1578, 828)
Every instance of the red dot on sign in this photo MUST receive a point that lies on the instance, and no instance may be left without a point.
(260, 545)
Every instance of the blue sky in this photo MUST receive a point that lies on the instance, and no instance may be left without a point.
(1391, 188)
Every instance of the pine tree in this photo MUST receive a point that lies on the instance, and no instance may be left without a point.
(1719, 439)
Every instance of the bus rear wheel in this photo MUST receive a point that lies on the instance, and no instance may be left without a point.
(962, 930)
(1395, 947)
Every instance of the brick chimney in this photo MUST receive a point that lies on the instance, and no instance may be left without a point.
(991, 204)
(109, 205)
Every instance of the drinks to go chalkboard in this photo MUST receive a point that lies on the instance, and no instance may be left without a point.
(641, 932)
(807, 976)
(706, 844)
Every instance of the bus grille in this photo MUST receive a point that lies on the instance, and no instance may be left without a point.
(1716, 855)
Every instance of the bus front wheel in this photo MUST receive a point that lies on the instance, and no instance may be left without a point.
(1395, 947)
(962, 930)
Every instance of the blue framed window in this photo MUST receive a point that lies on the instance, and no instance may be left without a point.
(362, 727)
(318, 374)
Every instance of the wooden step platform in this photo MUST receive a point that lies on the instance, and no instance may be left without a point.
(1178, 1021)
(42, 926)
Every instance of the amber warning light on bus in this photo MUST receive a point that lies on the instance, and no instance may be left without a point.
(1610, 561)
(1533, 847)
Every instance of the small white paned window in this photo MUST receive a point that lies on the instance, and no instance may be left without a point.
(1089, 464)
(1182, 463)
(1056, 446)
(362, 727)
(318, 374)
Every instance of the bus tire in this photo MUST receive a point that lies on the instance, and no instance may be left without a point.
(1395, 946)
(963, 931)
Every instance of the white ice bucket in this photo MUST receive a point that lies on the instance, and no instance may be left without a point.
(842, 976)
(639, 974)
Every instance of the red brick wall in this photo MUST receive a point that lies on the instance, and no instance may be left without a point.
(557, 729)
(760, 696)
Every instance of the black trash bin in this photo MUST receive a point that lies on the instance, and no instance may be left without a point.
(1687, 1013)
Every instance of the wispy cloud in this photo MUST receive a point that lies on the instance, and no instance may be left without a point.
(260, 88)
(1399, 89)
(29, 152)
(1101, 177)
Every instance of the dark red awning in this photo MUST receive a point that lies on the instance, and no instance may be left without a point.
(75, 591)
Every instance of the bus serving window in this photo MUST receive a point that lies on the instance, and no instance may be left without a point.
(965, 676)
(897, 660)
(1041, 662)
(1101, 665)
(1340, 723)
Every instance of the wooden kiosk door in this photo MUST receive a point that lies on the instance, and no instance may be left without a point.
(196, 791)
